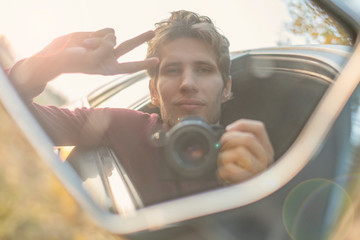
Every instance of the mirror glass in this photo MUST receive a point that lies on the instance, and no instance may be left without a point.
(277, 48)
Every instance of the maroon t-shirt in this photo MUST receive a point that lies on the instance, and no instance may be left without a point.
(128, 133)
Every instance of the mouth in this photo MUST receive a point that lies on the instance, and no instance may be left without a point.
(189, 105)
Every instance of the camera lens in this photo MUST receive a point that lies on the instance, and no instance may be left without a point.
(192, 148)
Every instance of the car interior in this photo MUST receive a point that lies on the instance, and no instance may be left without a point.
(275, 92)
(281, 97)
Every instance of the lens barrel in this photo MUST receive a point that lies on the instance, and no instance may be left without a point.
(192, 148)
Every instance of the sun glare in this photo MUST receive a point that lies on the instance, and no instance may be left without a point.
(31, 25)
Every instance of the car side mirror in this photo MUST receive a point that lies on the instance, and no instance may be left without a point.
(318, 70)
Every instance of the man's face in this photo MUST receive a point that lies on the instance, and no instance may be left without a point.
(189, 82)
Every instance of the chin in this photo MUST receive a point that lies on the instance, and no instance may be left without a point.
(170, 122)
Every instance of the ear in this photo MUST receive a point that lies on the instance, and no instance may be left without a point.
(227, 94)
(153, 93)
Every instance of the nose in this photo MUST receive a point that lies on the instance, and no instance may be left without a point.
(188, 82)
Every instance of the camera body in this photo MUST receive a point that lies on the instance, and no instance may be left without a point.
(189, 150)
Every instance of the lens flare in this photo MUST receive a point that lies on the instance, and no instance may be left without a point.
(304, 207)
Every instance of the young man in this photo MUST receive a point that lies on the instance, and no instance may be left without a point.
(188, 61)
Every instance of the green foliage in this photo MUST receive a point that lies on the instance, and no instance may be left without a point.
(314, 24)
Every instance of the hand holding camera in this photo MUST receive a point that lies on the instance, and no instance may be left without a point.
(192, 149)
(245, 151)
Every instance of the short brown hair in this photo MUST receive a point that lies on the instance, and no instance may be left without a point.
(189, 24)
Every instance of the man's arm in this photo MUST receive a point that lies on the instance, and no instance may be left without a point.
(246, 150)
(80, 52)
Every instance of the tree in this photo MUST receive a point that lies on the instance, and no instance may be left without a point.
(314, 24)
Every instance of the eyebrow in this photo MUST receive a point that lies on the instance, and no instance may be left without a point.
(206, 63)
(178, 63)
(170, 64)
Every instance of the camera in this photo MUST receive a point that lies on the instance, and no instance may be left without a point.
(189, 150)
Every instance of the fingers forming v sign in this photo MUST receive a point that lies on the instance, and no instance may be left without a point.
(130, 45)
(105, 55)
(95, 53)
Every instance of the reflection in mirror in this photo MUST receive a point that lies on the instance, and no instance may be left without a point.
(134, 146)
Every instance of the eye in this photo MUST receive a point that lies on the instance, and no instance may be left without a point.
(204, 69)
(171, 70)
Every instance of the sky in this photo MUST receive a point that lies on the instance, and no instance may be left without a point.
(31, 25)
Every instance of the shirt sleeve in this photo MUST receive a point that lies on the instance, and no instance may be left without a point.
(27, 90)
(92, 127)
(88, 127)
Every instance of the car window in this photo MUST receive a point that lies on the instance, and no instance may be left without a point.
(128, 96)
